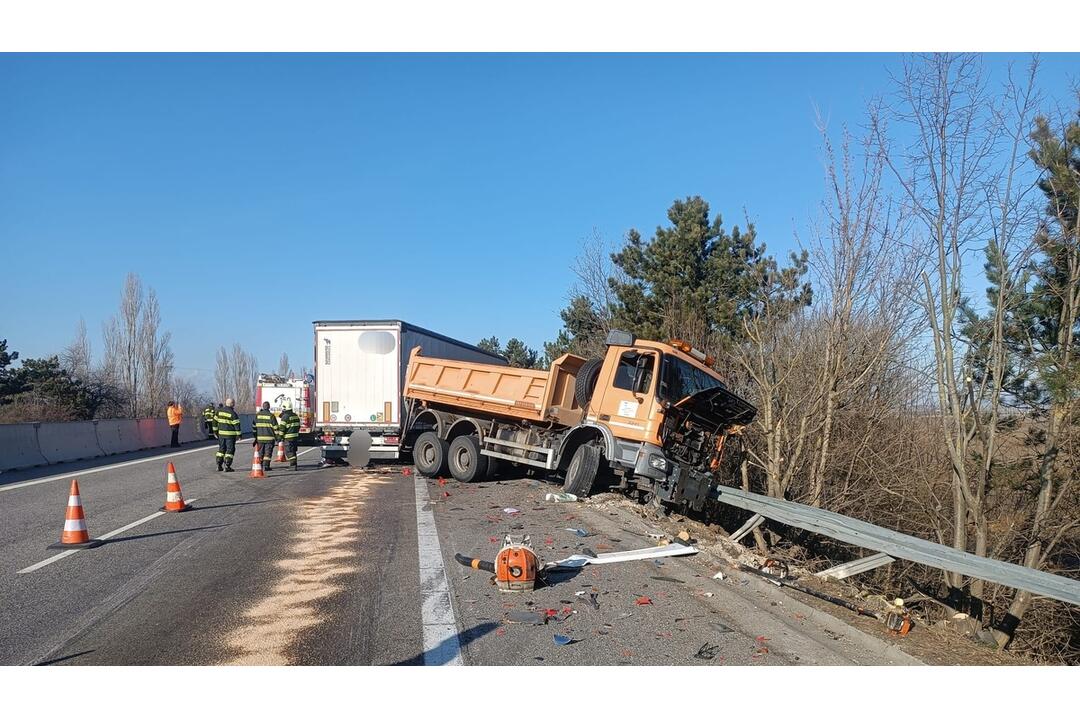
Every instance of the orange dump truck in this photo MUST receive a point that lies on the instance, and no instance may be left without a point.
(653, 415)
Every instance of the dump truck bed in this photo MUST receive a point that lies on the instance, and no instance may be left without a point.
(496, 390)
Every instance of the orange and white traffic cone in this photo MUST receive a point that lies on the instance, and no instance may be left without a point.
(256, 464)
(75, 534)
(174, 499)
(280, 451)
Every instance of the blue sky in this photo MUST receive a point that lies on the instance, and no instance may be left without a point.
(256, 193)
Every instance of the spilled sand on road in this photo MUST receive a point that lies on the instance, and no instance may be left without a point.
(323, 555)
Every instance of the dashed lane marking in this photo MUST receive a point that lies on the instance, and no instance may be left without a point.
(441, 646)
(88, 471)
(106, 536)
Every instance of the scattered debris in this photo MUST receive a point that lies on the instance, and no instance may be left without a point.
(643, 600)
(561, 497)
(664, 579)
(718, 576)
(581, 592)
(576, 561)
(707, 652)
(593, 601)
(524, 617)
(579, 532)
(511, 511)
(562, 639)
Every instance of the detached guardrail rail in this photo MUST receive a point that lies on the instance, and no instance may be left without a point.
(899, 545)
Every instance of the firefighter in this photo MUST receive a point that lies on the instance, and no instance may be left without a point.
(208, 420)
(290, 431)
(266, 434)
(227, 425)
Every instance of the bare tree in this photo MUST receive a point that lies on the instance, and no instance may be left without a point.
(861, 270)
(183, 391)
(155, 358)
(245, 375)
(223, 376)
(127, 341)
(76, 357)
(283, 365)
(942, 102)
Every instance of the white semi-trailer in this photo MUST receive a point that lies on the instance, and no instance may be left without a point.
(359, 378)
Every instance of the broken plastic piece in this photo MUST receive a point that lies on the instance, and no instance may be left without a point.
(562, 639)
(718, 576)
(579, 532)
(511, 511)
(561, 497)
(576, 561)
(643, 600)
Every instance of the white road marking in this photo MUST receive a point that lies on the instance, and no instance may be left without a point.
(88, 471)
(441, 646)
(106, 536)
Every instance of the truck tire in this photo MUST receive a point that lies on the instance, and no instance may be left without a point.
(466, 462)
(585, 382)
(583, 469)
(429, 455)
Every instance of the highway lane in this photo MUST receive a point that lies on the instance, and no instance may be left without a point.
(177, 588)
(325, 566)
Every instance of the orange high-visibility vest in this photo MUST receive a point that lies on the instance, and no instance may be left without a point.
(176, 414)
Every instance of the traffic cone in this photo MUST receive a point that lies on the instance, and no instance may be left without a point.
(75, 534)
(256, 464)
(174, 499)
(280, 451)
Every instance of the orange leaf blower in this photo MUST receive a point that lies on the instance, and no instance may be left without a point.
(515, 566)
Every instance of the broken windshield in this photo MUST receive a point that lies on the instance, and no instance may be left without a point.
(680, 379)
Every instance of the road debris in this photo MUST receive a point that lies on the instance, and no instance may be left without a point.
(577, 561)
(561, 497)
(664, 579)
(643, 600)
(524, 617)
(579, 532)
(707, 652)
(562, 639)
(511, 511)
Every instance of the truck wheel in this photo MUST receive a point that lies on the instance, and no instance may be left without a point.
(466, 462)
(585, 382)
(584, 467)
(429, 455)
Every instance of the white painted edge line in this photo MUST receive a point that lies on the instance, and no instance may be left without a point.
(106, 536)
(103, 468)
(440, 643)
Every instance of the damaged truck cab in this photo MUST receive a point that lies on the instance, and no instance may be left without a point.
(656, 416)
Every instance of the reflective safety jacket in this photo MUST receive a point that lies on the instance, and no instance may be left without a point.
(265, 426)
(290, 425)
(208, 414)
(227, 422)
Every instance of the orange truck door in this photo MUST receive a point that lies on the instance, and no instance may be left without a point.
(629, 414)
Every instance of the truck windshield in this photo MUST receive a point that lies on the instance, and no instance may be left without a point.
(680, 379)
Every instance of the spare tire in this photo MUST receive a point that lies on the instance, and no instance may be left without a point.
(585, 382)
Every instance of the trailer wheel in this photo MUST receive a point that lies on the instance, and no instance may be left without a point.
(429, 454)
(466, 462)
(585, 382)
(583, 469)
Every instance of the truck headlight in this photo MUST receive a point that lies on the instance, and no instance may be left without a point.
(659, 462)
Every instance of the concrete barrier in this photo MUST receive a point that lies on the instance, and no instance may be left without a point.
(64, 442)
(25, 445)
(117, 436)
(153, 432)
(19, 446)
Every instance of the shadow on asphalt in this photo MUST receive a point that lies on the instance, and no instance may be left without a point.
(110, 541)
(463, 639)
(62, 659)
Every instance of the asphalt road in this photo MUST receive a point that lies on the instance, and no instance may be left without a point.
(350, 566)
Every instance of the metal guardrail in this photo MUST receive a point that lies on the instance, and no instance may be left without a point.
(899, 545)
